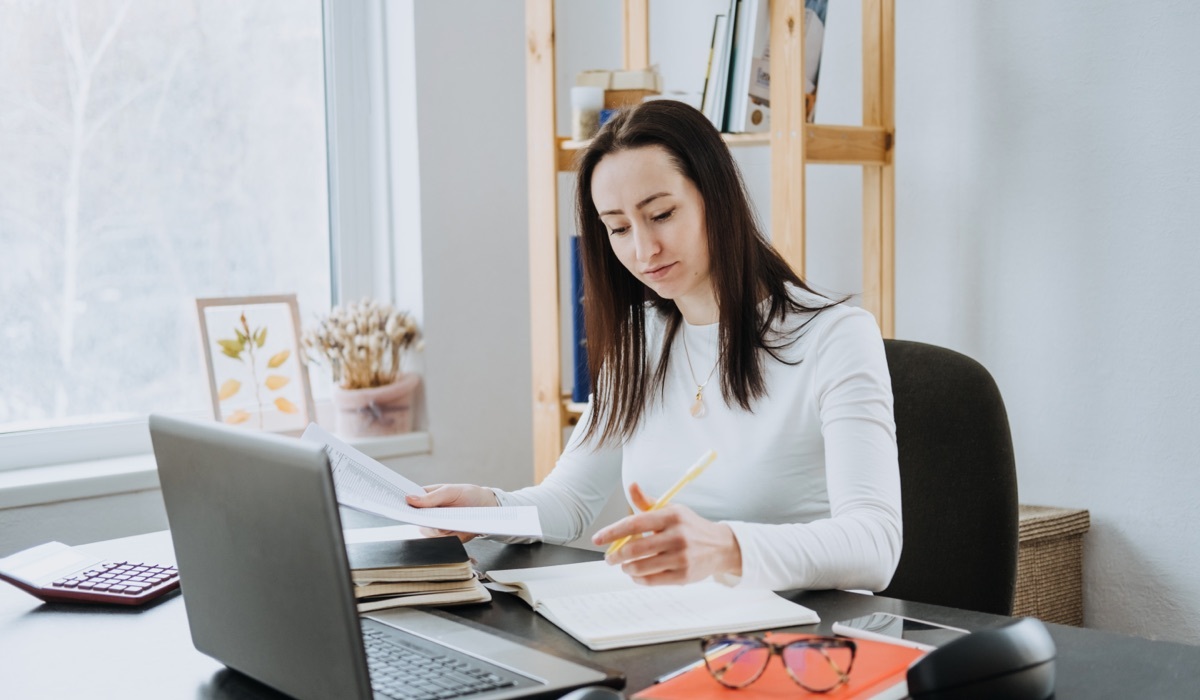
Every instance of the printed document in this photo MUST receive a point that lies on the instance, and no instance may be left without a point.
(364, 484)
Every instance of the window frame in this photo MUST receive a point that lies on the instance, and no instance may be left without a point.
(361, 254)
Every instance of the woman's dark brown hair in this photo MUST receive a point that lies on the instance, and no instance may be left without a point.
(745, 270)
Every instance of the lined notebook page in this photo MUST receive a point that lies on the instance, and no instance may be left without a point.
(546, 582)
(663, 613)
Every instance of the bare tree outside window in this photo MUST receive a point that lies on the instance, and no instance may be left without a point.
(150, 153)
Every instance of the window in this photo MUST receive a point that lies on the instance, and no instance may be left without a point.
(153, 153)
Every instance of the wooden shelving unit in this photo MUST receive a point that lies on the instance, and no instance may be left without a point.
(794, 144)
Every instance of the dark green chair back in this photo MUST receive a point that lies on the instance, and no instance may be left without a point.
(958, 481)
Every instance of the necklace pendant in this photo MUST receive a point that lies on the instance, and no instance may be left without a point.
(698, 409)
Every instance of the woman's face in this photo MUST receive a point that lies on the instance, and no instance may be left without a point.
(655, 221)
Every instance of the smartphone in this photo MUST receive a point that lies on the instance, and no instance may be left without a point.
(896, 629)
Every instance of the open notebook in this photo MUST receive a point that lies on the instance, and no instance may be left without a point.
(604, 609)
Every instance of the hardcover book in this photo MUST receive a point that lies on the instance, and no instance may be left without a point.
(581, 375)
(380, 596)
(425, 559)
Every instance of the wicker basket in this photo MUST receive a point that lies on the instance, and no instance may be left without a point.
(1050, 564)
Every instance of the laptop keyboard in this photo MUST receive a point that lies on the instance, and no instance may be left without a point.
(413, 669)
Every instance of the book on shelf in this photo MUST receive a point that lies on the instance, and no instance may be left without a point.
(749, 99)
(427, 571)
(713, 102)
(718, 23)
(814, 42)
(603, 608)
(581, 375)
(749, 94)
(878, 673)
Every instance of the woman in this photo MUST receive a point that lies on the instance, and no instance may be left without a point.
(701, 337)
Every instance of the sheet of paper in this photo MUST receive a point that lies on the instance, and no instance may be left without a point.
(38, 566)
(364, 484)
(387, 533)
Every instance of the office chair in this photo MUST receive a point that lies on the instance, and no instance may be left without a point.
(958, 481)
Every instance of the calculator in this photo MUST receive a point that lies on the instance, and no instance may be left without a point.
(57, 573)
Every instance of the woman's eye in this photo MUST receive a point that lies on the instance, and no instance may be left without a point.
(663, 216)
(617, 231)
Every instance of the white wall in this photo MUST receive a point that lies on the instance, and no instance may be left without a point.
(1046, 189)
(81, 521)
(469, 95)
(469, 92)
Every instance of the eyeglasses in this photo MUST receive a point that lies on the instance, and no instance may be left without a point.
(817, 664)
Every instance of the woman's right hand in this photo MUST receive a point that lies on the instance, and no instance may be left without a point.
(452, 495)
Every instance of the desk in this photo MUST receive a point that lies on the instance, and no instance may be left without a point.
(59, 651)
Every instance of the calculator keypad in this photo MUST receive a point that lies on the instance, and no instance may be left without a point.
(120, 581)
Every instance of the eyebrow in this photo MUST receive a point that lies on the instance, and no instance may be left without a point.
(640, 204)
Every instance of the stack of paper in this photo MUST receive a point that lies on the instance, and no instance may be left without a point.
(364, 484)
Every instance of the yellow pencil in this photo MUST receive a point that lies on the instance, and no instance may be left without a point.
(693, 472)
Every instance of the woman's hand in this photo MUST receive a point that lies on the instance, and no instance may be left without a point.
(446, 495)
(681, 546)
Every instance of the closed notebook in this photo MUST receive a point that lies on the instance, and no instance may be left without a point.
(603, 608)
(378, 589)
(878, 673)
(426, 559)
(423, 593)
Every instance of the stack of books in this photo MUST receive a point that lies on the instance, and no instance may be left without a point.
(428, 571)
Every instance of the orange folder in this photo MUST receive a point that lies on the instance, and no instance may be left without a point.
(877, 667)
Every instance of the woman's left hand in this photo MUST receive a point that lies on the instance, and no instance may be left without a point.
(678, 547)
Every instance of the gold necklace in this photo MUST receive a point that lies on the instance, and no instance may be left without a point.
(697, 409)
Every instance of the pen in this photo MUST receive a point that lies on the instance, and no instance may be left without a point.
(693, 472)
(679, 671)
(713, 652)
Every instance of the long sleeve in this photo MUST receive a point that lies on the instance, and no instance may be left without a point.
(858, 545)
(574, 493)
(808, 480)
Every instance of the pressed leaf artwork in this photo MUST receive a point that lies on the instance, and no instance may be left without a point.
(238, 416)
(278, 359)
(257, 376)
(229, 388)
(248, 346)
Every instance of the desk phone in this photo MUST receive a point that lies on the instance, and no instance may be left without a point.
(57, 573)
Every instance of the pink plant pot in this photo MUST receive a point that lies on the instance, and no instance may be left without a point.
(375, 411)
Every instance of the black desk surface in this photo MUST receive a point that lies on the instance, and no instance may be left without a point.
(60, 651)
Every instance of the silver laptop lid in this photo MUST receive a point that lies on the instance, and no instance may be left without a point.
(262, 562)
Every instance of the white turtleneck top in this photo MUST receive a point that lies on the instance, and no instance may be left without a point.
(808, 481)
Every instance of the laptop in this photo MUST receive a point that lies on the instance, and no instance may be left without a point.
(267, 589)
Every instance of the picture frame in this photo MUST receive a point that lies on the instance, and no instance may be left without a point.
(256, 373)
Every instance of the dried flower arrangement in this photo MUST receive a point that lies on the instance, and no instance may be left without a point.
(364, 343)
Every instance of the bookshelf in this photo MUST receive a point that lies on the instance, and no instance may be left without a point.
(794, 145)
